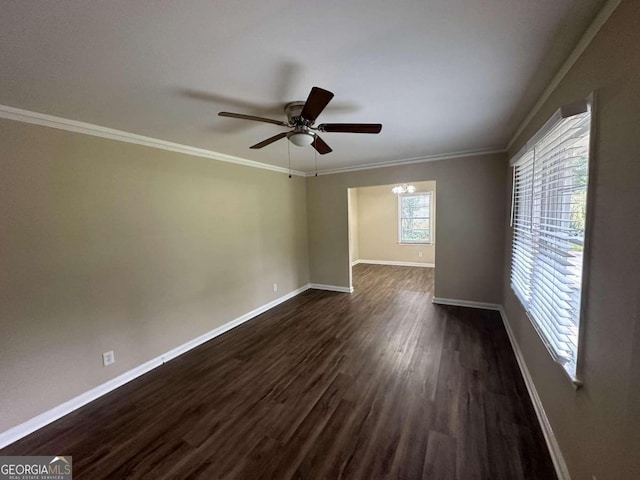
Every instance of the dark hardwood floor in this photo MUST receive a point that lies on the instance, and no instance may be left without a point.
(377, 384)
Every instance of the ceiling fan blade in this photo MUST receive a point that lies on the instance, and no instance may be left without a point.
(270, 140)
(321, 146)
(252, 117)
(316, 101)
(351, 127)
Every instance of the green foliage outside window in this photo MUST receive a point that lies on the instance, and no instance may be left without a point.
(415, 218)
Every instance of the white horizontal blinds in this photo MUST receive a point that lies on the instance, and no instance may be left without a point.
(550, 191)
(415, 217)
(559, 208)
(523, 249)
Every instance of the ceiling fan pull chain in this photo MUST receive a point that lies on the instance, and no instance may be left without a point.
(289, 151)
(315, 152)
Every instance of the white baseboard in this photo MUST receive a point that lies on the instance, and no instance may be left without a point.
(16, 433)
(232, 324)
(36, 423)
(13, 434)
(465, 303)
(398, 264)
(552, 443)
(331, 288)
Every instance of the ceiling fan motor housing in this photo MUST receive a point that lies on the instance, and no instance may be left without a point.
(300, 136)
(293, 111)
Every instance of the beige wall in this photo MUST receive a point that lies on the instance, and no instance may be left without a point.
(470, 219)
(378, 226)
(597, 426)
(354, 238)
(107, 245)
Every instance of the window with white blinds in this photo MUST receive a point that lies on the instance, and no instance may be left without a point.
(550, 177)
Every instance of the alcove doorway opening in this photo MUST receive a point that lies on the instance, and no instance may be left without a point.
(392, 224)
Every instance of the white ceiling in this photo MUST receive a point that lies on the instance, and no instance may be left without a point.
(442, 76)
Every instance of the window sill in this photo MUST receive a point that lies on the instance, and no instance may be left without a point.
(428, 244)
(576, 383)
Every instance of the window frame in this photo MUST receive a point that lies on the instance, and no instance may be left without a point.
(587, 105)
(429, 195)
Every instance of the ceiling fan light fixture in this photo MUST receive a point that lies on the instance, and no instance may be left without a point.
(301, 139)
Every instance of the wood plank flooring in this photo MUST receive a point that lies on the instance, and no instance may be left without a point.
(374, 385)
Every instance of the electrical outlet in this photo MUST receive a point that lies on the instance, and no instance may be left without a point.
(275, 287)
(108, 358)
(420, 254)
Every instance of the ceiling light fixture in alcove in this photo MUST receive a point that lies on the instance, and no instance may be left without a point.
(404, 188)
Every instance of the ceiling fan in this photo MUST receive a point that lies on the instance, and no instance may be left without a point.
(301, 117)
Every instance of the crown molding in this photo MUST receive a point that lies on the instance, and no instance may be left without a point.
(409, 161)
(35, 118)
(26, 116)
(42, 119)
(588, 36)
